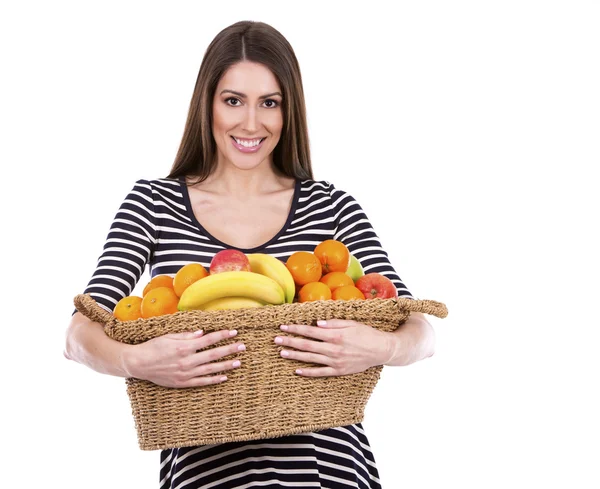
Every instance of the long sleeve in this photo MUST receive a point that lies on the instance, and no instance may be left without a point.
(354, 229)
(128, 248)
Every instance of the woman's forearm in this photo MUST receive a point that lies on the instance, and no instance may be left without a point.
(414, 340)
(86, 343)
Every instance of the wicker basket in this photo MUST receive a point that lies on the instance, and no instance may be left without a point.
(263, 398)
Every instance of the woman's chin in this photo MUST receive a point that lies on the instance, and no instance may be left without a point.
(247, 162)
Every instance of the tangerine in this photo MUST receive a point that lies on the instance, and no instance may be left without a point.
(158, 281)
(128, 308)
(347, 293)
(187, 275)
(304, 266)
(314, 291)
(333, 255)
(159, 301)
(333, 280)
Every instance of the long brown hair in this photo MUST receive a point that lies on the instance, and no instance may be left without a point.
(260, 43)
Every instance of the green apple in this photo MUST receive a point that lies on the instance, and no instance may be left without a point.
(355, 270)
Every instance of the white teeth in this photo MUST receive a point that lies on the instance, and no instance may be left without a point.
(248, 144)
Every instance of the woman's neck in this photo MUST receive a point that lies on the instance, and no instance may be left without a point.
(229, 180)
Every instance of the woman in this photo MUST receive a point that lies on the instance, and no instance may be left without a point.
(242, 179)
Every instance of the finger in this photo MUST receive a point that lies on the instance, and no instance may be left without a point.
(306, 330)
(316, 372)
(215, 367)
(304, 344)
(212, 354)
(187, 335)
(336, 323)
(209, 339)
(206, 380)
(306, 357)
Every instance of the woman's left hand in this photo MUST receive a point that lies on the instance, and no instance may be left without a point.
(345, 347)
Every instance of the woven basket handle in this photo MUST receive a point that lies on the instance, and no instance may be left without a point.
(433, 308)
(87, 306)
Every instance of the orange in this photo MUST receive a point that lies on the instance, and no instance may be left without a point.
(314, 291)
(159, 301)
(158, 281)
(347, 293)
(128, 308)
(333, 280)
(187, 275)
(333, 255)
(304, 266)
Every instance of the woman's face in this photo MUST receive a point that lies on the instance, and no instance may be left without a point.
(247, 115)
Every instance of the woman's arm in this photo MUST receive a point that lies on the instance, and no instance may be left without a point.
(345, 347)
(126, 252)
(88, 344)
(413, 341)
(171, 360)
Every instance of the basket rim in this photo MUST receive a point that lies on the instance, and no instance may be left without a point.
(86, 303)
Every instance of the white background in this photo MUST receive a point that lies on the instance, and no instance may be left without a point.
(468, 132)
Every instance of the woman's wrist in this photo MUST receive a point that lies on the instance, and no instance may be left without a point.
(130, 362)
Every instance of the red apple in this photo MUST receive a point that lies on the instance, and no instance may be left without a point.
(229, 261)
(376, 286)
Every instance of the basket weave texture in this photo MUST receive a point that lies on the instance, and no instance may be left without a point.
(263, 398)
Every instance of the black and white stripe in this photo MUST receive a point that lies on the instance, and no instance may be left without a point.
(333, 458)
(155, 227)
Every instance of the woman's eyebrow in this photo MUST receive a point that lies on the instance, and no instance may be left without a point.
(243, 95)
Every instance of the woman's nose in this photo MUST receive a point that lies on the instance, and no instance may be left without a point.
(250, 121)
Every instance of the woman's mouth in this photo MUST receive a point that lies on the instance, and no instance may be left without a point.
(247, 145)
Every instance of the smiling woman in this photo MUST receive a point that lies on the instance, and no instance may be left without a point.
(249, 87)
(242, 179)
(247, 123)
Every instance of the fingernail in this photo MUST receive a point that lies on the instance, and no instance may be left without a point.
(223, 379)
(299, 372)
(321, 323)
(284, 327)
(285, 353)
(241, 347)
(199, 332)
(278, 340)
(237, 363)
(233, 332)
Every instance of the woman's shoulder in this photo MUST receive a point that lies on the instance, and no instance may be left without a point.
(158, 182)
(326, 187)
(318, 185)
(156, 186)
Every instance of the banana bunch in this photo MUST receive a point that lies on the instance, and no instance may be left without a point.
(268, 282)
(271, 267)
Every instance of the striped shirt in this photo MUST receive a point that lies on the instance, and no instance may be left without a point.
(155, 226)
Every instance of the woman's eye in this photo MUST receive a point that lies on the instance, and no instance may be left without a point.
(234, 102)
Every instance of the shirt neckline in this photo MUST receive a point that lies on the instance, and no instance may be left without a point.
(190, 214)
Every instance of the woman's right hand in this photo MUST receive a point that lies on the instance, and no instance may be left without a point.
(173, 360)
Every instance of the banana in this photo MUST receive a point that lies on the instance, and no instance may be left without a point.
(231, 284)
(270, 266)
(231, 303)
